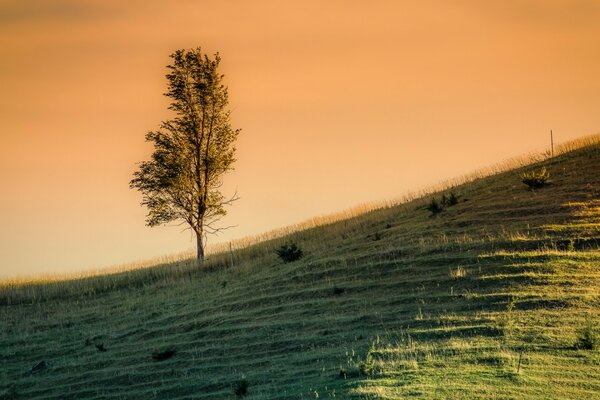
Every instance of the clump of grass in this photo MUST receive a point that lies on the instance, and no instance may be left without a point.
(536, 179)
(289, 252)
(458, 272)
(587, 338)
(161, 355)
(240, 388)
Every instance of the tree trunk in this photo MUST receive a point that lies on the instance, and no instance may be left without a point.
(200, 247)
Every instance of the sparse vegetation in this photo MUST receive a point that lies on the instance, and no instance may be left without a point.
(367, 366)
(536, 179)
(289, 252)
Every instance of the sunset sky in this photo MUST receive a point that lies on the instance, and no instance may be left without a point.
(339, 102)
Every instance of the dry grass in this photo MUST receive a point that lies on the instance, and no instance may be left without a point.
(220, 251)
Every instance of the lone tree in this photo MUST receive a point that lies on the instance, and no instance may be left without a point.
(192, 151)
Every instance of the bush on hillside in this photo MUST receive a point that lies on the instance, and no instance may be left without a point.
(450, 200)
(434, 207)
(536, 179)
(588, 339)
(289, 252)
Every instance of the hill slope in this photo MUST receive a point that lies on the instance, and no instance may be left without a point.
(486, 300)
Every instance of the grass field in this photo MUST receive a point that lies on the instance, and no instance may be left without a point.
(489, 299)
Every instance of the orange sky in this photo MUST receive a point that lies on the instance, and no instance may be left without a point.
(340, 102)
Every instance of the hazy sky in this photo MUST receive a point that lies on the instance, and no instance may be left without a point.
(340, 102)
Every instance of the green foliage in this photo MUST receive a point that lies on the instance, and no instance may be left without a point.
(434, 207)
(588, 338)
(536, 179)
(450, 200)
(192, 150)
(367, 366)
(289, 252)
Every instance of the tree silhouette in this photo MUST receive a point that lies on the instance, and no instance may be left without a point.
(192, 151)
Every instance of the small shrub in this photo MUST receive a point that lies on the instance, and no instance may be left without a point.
(536, 179)
(434, 207)
(587, 338)
(450, 200)
(163, 355)
(507, 321)
(241, 388)
(367, 366)
(446, 201)
(100, 347)
(289, 252)
(343, 373)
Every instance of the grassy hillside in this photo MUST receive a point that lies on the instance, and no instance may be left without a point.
(489, 299)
